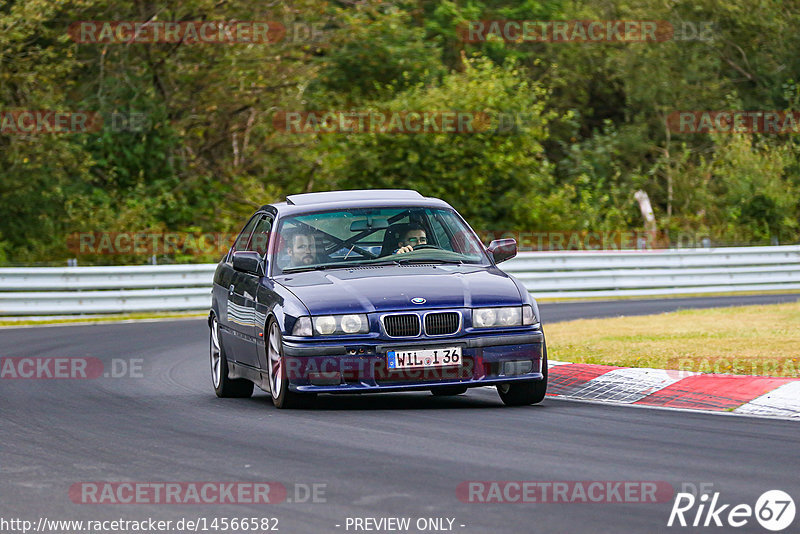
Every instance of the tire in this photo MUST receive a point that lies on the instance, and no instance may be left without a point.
(224, 386)
(525, 393)
(448, 391)
(282, 397)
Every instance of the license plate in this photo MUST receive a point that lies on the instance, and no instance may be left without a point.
(406, 359)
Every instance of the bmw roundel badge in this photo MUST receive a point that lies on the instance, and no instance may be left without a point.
(418, 300)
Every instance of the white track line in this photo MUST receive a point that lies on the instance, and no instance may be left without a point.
(627, 385)
(783, 401)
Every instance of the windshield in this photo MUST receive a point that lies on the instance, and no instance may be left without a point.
(353, 237)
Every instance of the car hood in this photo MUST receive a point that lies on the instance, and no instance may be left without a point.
(391, 288)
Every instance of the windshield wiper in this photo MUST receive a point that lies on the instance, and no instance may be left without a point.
(321, 267)
(406, 261)
(348, 265)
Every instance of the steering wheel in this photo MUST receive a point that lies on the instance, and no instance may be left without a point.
(424, 246)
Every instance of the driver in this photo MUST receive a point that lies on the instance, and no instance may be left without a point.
(302, 248)
(412, 237)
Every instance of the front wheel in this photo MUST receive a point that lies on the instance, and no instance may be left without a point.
(224, 386)
(282, 397)
(525, 393)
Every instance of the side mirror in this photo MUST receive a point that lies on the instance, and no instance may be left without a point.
(502, 249)
(249, 262)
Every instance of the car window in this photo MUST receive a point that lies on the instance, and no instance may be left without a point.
(244, 236)
(461, 240)
(260, 238)
(440, 233)
(375, 235)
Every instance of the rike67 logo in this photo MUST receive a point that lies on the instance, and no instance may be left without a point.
(774, 510)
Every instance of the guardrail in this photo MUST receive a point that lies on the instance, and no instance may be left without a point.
(580, 274)
(573, 274)
(86, 290)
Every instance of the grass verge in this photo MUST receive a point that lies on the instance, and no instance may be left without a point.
(745, 340)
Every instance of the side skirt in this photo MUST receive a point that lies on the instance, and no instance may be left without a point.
(256, 376)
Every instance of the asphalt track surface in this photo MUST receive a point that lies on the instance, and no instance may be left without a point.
(391, 455)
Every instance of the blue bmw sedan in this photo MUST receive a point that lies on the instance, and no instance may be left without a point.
(370, 291)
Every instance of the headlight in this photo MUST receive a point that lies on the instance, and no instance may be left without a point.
(509, 316)
(484, 318)
(326, 325)
(497, 317)
(302, 327)
(352, 324)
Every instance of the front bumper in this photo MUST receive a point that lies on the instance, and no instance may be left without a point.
(360, 367)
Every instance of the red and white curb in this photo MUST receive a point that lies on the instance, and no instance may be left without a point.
(752, 395)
